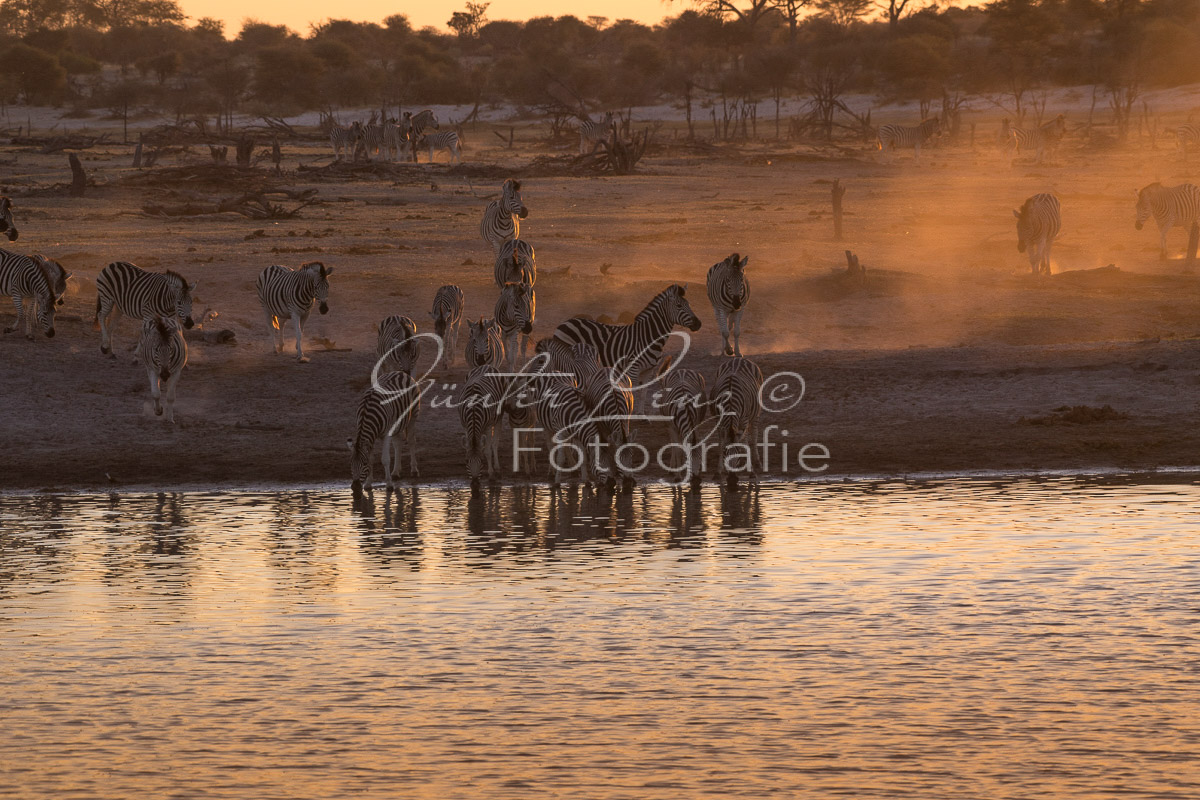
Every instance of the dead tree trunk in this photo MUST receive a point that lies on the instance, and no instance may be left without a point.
(137, 153)
(78, 178)
(245, 149)
(276, 155)
(838, 192)
(854, 269)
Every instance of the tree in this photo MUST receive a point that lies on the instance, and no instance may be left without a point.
(894, 10)
(36, 74)
(467, 24)
(844, 13)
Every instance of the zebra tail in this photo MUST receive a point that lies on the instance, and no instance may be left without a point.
(96, 319)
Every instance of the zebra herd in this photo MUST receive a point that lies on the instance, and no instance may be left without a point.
(387, 140)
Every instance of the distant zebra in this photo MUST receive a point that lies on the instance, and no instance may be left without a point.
(374, 141)
(124, 288)
(21, 277)
(515, 263)
(729, 291)
(686, 400)
(1171, 206)
(484, 345)
(515, 313)
(447, 316)
(735, 402)
(398, 351)
(609, 396)
(164, 353)
(594, 132)
(290, 293)
(572, 438)
(1186, 134)
(395, 136)
(416, 124)
(7, 224)
(1046, 136)
(344, 140)
(501, 217)
(443, 140)
(900, 136)
(479, 408)
(386, 409)
(1038, 222)
(634, 349)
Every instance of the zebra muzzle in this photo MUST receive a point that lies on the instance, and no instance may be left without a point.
(1137, 226)
(164, 373)
(528, 329)
(50, 333)
(188, 323)
(523, 213)
(324, 308)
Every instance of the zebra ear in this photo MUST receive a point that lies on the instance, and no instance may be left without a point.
(192, 287)
(1016, 213)
(742, 265)
(327, 270)
(68, 275)
(350, 445)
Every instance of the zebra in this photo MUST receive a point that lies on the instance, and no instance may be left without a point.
(21, 277)
(608, 395)
(344, 140)
(554, 356)
(1038, 222)
(443, 140)
(479, 409)
(484, 345)
(501, 217)
(394, 137)
(374, 140)
(1171, 206)
(634, 349)
(447, 316)
(415, 124)
(124, 288)
(55, 274)
(1039, 139)
(387, 408)
(515, 313)
(286, 292)
(396, 347)
(164, 352)
(7, 224)
(594, 132)
(686, 399)
(897, 136)
(563, 413)
(729, 291)
(735, 401)
(1186, 134)
(515, 263)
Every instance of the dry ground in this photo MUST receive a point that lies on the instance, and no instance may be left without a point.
(940, 362)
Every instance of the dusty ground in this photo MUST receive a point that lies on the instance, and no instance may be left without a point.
(952, 357)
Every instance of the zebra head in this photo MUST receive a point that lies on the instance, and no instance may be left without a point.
(523, 305)
(679, 311)
(163, 329)
(55, 274)
(1023, 225)
(44, 306)
(1145, 203)
(510, 199)
(6, 219)
(360, 467)
(479, 345)
(319, 275)
(735, 288)
(183, 297)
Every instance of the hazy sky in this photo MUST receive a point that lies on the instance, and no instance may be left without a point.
(297, 14)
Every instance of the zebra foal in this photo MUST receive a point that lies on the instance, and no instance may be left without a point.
(729, 291)
(25, 277)
(1170, 206)
(501, 218)
(290, 293)
(164, 353)
(447, 316)
(1038, 222)
(124, 288)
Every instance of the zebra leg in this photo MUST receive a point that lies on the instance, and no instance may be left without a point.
(1162, 240)
(273, 324)
(155, 388)
(510, 350)
(108, 323)
(299, 340)
(737, 331)
(171, 383)
(410, 438)
(723, 326)
(19, 304)
(387, 460)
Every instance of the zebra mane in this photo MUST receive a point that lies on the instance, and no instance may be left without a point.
(657, 302)
(44, 274)
(177, 282)
(163, 331)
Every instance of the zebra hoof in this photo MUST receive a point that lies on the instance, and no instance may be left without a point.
(302, 360)
(9, 330)
(728, 350)
(103, 349)
(158, 411)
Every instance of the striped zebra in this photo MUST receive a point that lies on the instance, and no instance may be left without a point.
(1171, 206)
(515, 313)
(735, 402)
(609, 397)
(286, 292)
(164, 352)
(593, 133)
(1186, 134)
(501, 217)
(634, 349)
(515, 263)
(901, 136)
(344, 140)
(394, 136)
(398, 351)
(442, 140)
(1040, 139)
(415, 126)
(1038, 222)
(447, 316)
(479, 409)
(374, 141)
(124, 288)
(572, 439)
(55, 274)
(686, 400)
(484, 345)
(388, 409)
(729, 291)
(8, 226)
(21, 277)
(554, 356)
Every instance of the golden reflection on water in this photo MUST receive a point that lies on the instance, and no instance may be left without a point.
(1029, 638)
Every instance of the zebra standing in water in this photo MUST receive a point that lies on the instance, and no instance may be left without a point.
(285, 293)
(1038, 222)
(164, 352)
(21, 277)
(1171, 206)
(398, 351)
(345, 140)
(1186, 134)
(634, 349)
(442, 140)
(563, 413)
(609, 397)
(124, 288)
(501, 217)
(594, 132)
(515, 263)
(735, 401)
(515, 313)
(900, 136)
(387, 408)
(484, 345)
(479, 406)
(729, 291)
(686, 399)
(447, 316)
(1039, 139)
(7, 224)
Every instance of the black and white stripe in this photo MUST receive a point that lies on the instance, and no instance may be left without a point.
(344, 140)
(563, 413)
(290, 293)
(388, 409)
(164, 354)
(395, 137)
(609, 397)
(515, 313)
(895, 137)
(1170, 206)
(55, 274)
(442, 140)
(1039, 139)
(484, 345)
(553, 355)
(124, 288)
(21, 277)
(515, 263)
(501, 217)
(374, 141)
(398, 351)
(1038, 222)
(735, 403)
(592, 132)
(8, 225)
(1186, 135)
(479, 409)
(447, 316)
(729, 291)
(418, 123)
(685, 399)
